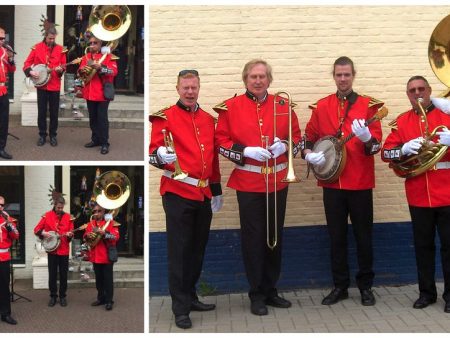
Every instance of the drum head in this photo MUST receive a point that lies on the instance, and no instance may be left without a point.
(333, 158)
(51, 243)
(44, 75)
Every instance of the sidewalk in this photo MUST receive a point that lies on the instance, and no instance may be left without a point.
(393, 312)
(79, 315)
(126, 145)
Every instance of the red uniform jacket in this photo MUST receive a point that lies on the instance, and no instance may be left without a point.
(5, 68)
(93, 90)
(242, 123)
(51, 222)
(430, 189)
(359, 170)
(52, 57)
(6, 238)
(193, 137)
(99, 253)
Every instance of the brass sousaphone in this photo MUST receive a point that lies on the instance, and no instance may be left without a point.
(111, 190)
(107, 23)
(430, 153)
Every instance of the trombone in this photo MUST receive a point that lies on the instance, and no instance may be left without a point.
(290, 177)
(168, 142)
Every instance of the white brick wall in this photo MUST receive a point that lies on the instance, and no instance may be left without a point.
(387, 44)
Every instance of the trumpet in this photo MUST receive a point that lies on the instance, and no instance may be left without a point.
(168, 142)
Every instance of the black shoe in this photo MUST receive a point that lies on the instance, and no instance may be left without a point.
(258, 307)
(277, 301)
(97, 303)
(104, 150)
(5, 155)
(8, 319)
(423, 302)
(108, 306)
(41, 141)
(183, 321)
(447, 307)
(91, 144)
(63, 301)
(335, 296)
(53, 141)
(52, 301)
(367, 297)
(197, 305)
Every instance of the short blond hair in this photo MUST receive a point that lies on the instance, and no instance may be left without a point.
(252, 63)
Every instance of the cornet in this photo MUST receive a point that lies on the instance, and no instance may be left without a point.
(168, 142)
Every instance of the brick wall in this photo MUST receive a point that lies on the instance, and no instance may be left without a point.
(387, 44)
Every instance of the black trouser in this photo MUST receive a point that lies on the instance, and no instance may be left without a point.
(425, 221)
(339, 204)
(98, 121)
(104, 282)
(262, 264)
(51, 99)
(5, 296)
(4, 120)
(55, 263)
(187, 224)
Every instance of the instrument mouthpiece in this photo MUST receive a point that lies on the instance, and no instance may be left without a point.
(420, 99)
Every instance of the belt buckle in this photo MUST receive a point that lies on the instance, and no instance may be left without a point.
(202, 184)
(266, 170)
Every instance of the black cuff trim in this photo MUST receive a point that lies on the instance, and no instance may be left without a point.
(216, 189)
(154, 160)
(27, 72)
(372, 147)
(394, 154)
(235, 154)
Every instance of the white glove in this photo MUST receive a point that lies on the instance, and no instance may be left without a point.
(257, 153)
(315, 158)
(216, 203)
(361, 130)
(45, 234)
(412, 146)
(277, 148)
(442, 104)
(166, 156)
(444, 137)
(108, 217)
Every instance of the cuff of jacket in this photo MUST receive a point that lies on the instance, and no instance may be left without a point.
(372, 146)
(27, 72)
(216, 189)
(235, 154)
(305, 144)
(154, 160)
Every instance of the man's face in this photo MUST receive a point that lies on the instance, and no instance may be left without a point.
(2, 37)
(50, 39)
(343, 77)
(418, 89)
(257, 81)
(188, 89)
(94, 45)
(98, 213)
(59, 208)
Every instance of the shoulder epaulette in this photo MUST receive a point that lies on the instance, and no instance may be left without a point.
(220, 107)
(33, 47)
(393, 123)
(160, 113)
(43, 216)
(64, 50)
(373, 101)
(114, 57)
(313, 105)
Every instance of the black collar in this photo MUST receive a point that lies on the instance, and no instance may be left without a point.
(186, 108)
(427, 109)
(350, 97)
(254, 98)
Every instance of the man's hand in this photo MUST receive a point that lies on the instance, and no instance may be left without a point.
(444, 137)
(315, 158)
(216, 203)
(361, 130)
(59, 69)
(166, 156)
(34, 74)
(257, 153)
(277, 148)
(411, 147)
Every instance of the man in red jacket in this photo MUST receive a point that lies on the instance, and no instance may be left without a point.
(7, 65)
(53, 56)
(98, 255)
(190, 198)
(8, 233)
(428, 193)
(245, 136)
(339, 115)
(57, 223)
(102, 62)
